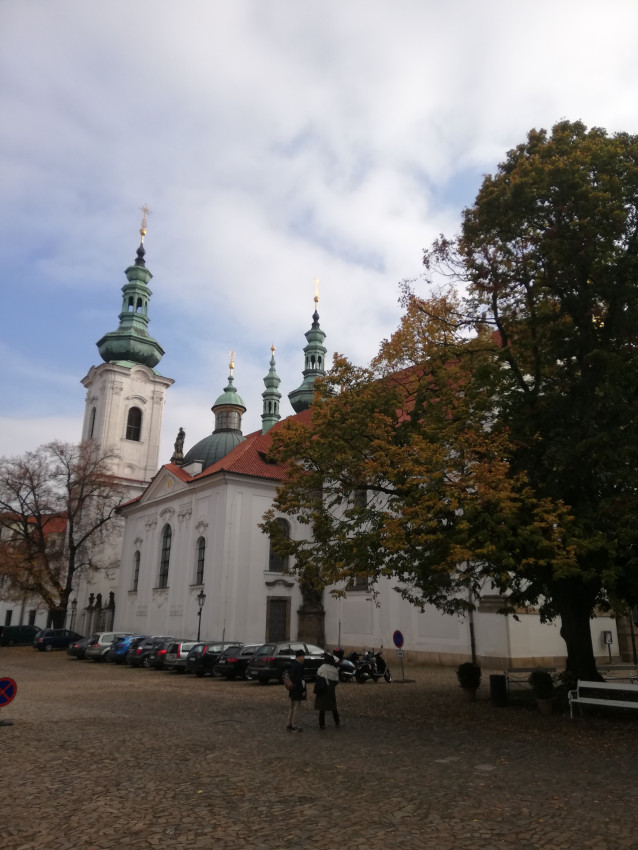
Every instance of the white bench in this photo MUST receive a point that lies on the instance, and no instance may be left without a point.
(602, 693)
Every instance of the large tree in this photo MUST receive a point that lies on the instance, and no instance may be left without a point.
(506, 450)
(56, 504)
(550, 250)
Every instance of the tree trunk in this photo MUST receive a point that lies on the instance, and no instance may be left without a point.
(575, 603)
(58, 618)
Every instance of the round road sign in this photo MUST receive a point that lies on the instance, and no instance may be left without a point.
(8, 689)
(397, 638)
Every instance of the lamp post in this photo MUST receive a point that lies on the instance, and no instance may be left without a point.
(201, 598)
(74, 608)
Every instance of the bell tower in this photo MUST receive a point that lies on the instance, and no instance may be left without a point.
(125, 394)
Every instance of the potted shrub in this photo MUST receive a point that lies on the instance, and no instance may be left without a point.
(542, 686)
(469, 676)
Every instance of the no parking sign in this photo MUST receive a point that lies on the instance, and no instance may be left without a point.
(8, 690)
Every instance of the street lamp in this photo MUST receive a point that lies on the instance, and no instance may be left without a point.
(201, 598)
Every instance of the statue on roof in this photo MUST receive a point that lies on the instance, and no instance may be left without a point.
(178, 453)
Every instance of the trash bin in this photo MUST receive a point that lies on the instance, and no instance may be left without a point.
(498, 690)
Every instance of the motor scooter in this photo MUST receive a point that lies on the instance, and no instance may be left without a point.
(345, 666)
(372, 666)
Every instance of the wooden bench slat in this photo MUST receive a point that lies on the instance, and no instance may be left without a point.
(578, 695)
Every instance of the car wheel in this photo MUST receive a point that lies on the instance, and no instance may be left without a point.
(48, 647)
(12, 643)
(109, 658)
(146, 662)
(248, 676)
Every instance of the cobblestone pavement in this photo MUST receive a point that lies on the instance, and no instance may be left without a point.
(102, 757)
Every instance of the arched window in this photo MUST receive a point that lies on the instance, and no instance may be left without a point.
(134, 424)
(139, 306)
(92, 424)
(279, 563)
(136, 569)
(165, 556)
(199, 565)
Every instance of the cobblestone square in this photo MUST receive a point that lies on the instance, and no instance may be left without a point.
(101, 757)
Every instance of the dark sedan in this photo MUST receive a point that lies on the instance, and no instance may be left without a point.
(77, 648)
(234, 660)
(140, 652)
(203, 657)
(272, 660)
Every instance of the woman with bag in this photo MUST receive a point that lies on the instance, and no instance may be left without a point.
(325, 691)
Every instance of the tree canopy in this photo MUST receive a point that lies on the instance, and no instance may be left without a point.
(55, 505)
(494, 436)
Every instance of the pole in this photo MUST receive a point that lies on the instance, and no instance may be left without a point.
(199, 624)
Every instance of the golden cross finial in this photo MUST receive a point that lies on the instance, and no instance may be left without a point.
(232, 362)
(316, 290)
(273, 349)
(145, 212)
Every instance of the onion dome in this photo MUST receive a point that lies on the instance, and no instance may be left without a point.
(228, 410)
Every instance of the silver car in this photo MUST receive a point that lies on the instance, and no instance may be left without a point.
(100, 643)
(176, 654)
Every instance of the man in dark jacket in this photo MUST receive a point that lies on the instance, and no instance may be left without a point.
(298, 692)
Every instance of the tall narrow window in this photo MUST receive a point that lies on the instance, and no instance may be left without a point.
(92, 424)
(199, 567)
(136, 570)
(167, 536)
(134, 424)
(279, 563)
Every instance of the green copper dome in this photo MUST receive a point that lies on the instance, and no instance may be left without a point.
(227, 434)
(230, 396)
(213, 448)
(131, 342)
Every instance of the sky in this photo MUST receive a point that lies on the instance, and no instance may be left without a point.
(275, 142)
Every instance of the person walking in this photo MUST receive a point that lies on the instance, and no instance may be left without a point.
(298, 691)
(325, 691)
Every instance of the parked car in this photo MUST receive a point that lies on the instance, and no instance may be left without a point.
(233, 661)
(119, 649)
(77, 648)
(204, 656)
(48, 639)
(100, 644)
(158, 653)
(177, 653)
(272, 660)
(141, 651)
(18, 635)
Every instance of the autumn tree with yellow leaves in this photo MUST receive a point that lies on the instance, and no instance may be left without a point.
(494, 438)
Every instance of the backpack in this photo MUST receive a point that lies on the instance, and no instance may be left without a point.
(289, 684)
(320, 685)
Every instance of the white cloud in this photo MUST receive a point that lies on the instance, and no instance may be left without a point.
(275, 143)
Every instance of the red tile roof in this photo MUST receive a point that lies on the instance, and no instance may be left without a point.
(249, 457)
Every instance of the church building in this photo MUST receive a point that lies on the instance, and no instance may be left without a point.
(189, 556)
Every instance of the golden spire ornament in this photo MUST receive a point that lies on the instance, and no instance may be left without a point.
(145, 212)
